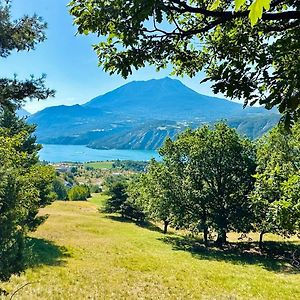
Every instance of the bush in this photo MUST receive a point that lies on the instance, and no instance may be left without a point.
(79, 193)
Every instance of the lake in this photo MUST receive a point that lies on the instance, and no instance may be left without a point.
(78, 153)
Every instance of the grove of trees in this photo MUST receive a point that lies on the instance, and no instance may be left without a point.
(212, 180)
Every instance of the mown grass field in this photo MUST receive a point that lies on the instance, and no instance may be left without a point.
(82, 254)
(100, 165)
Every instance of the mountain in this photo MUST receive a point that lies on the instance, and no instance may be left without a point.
(65, 120)
(141, 114)
(23, 113)
(166, 99)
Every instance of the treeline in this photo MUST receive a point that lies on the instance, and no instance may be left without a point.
(212, 180)
(130, 165)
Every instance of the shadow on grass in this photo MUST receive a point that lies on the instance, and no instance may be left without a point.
(145, 224)
(43, 252)
(276, 256)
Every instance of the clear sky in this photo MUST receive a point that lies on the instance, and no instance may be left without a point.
(69, 60)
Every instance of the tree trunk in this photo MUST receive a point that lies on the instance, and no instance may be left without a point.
(166, 223)
(261, 239)
(221, 240)
(205, 235)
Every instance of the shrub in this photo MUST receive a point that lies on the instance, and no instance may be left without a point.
(79, 193)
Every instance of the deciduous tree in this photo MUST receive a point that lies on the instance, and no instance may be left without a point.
(275, 198)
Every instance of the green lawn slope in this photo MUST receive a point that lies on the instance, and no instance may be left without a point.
(82, 254)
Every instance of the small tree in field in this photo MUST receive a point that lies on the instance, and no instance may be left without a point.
(60, 189)
(120, 202)
(155, 193)
(118, 196)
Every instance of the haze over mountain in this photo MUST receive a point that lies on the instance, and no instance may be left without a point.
(141, 114)
(23, 113)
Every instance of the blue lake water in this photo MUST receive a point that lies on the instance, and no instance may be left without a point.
(78, 153)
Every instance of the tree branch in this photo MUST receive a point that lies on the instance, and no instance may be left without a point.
(183, 7)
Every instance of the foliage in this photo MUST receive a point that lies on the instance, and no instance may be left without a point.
(215, 166)
(14, 125)
(60, 189)
(259, 64)
(130, 165)
(20, 35)
(117, 196)
(118, 202)
(202, 183)
(79, 193)
(94, 188)
(276, 195)
(24, 188)
(155, 192)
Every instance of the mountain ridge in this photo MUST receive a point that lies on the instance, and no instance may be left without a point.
(141, 114)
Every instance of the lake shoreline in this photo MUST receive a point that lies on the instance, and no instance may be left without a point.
(79, 153)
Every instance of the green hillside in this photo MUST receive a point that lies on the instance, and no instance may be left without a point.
(81, 254)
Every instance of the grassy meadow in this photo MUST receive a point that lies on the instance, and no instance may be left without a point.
(84, 254)
(100, 165)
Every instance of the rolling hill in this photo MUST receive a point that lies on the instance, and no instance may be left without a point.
(141, 114)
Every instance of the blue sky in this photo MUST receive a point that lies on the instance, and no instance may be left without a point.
(69, 60)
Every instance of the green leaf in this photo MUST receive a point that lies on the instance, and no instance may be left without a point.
(256, 10)
(215, 4)
(238, 4)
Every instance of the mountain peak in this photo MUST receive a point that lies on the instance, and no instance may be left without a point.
(164, 99)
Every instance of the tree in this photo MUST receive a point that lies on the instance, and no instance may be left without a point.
(60, 189)
(24, 189)
(276, 195)
(155, 193)
(216, 167)
(20, 35)
(118, 196)
(259, 64)
(79, 193)
(119, 201)
(25, 186)
(14, 125)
